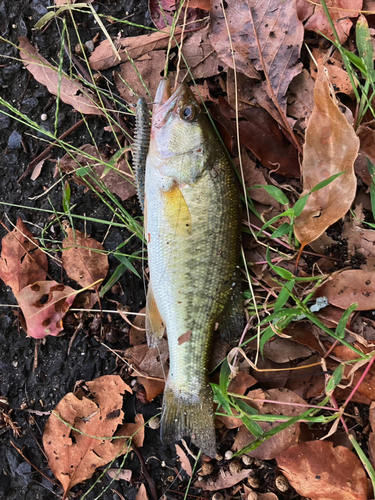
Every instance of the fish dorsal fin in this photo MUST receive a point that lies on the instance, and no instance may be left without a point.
(177, 213)
(155, 325)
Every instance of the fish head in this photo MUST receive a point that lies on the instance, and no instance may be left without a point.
(179, 126)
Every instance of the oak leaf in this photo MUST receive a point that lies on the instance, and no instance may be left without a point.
(44, 304)
(163, 13)
(331, 147)
(84, 259)
(319, 471)
(69, 90)
(74, 454)
(21, 261)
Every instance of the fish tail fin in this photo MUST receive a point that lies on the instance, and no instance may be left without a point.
(189, 416)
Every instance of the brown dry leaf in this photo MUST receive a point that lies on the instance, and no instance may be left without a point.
(44, 304)
(200, 57)
(163, 13)
(319, 22)
(69, 91)
(138, 337)
(132, 47)
(280, 35)
(254, 177)
(261, 134)
(84, 259)
(347, 287)
(319, 471)
(280, 441)
(371, 437)
(224, 480)
(120, 474)
(148, 66)
(331, 147)
(360, 240)
(64, 2)
(142, 493)
(300, 99)
(150, 362)
(37, 170)
(281, 350)
(17, 268)
(366, 134)
(73, 457)
(118, 179)
(184, 459)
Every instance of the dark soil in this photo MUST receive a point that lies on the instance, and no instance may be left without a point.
(32, 391)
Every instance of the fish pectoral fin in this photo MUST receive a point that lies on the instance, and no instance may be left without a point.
(176, 211)
(155, 326)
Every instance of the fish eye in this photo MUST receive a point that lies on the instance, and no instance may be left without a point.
(188, 112)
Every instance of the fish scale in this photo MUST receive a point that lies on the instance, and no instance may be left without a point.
(192, 229)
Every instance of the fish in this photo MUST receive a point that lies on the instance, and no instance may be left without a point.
(192, 230)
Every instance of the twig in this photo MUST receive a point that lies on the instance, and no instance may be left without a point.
(148, 478)
(34, 466)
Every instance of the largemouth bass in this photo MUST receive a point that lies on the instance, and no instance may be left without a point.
(192, 230)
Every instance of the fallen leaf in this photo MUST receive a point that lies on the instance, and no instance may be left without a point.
(138, 337)
(341, 19)
(280, 35)
(69, 90)
(132, 47)
(359, 240)
(118, 179)
(319, 471)
(44, 304)
(200, 57)
(305, 9)
(163, 13)
(347, 287)
(254, 177)
(280, 441)
(37, 170)
(130, 82)
(21, 261)
(371, 438)
(84, 259)
(64, 2)
(338, 76)
(184, 459)
(224, 480)
(366, 134)
(120, 474)
(142, 493)
(331, 147)
(262, 135)
(300, 99)
(152, 387)
(281, 350)
(72, 456)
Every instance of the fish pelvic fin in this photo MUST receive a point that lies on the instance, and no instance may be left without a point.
(185, 416)
(155, 326)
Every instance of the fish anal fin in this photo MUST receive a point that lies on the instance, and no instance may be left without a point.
(155, 325)
(186, 415)
(177, 213)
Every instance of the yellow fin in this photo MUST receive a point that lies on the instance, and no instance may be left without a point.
(177, 212)
(155, 325)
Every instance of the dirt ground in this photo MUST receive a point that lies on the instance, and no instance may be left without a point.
(39, 390)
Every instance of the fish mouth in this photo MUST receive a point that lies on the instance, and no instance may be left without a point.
(165, 103)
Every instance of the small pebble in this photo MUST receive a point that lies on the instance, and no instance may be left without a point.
(90, 45)
(154, 423)
(253, 481)
(44, 117)
(253, 495)
(228, 454)
(282, 483)
(235, 466)
(247, 460)
(217, 496)
(206, 469)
